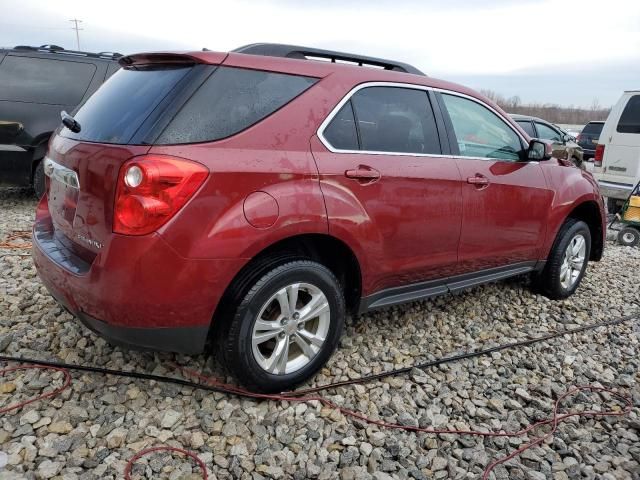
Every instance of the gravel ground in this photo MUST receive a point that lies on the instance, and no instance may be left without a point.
(92, 429)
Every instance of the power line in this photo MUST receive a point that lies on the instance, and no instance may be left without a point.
(77, 29)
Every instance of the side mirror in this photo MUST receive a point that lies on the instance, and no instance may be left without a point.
(539, 150)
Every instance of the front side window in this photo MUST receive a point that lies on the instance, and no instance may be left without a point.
(630, 118)
(479, 132)
(547, 133)
(395, 119)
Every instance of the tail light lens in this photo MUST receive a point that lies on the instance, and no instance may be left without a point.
(152, 189)
(597, 159)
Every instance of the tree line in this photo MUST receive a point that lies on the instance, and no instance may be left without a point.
(550, 112)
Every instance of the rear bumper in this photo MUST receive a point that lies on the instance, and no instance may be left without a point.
(621, 191)
(137, 291)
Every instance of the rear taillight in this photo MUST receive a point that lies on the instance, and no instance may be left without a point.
(151, 189)
(597, 159)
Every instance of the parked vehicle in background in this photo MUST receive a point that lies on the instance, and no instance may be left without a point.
(36, 84)
(617, 156)
(588, 138)
(564, 145)
(251, 200)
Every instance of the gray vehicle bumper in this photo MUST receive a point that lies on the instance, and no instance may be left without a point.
(620, 191)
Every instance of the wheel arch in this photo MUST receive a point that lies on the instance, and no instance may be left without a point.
(589, 212)
(326, 249)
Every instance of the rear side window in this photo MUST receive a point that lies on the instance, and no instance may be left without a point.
(395, 119)
(480, 132)
(630, 119)
(341, 132)
(231, 100)
(527, 127)
(115, 112)
(593, 128)
(43, 80)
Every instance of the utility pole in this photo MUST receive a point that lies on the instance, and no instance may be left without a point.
(77, 29)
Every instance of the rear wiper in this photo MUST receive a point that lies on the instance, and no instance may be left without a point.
(70, 122)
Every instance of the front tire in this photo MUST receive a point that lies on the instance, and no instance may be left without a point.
(567, 261)
(285, 328)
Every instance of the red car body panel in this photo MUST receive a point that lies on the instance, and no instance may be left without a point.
(420, 221)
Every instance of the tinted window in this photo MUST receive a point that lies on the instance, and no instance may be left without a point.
(548, 133)
(393, 119)
(527, 126)
(231, 100)
(630, 118)
(112, 68)
(480, 132)
(593, 128)
(42, 80)
(122, 103)
(341, 132)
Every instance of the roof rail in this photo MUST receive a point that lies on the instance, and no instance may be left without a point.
(58, 49)
(309, 53)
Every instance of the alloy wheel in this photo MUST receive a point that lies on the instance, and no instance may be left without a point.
(291, 328)
(573, 263)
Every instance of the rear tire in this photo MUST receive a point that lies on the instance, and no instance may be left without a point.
(629, 237)
(567, 261)
(275, 339)
(39, 186)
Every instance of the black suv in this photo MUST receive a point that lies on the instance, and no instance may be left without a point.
(588, 138)
(36, 84)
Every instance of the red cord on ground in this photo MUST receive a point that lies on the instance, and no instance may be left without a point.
(66, 384)
(554, 420)
(137, 456)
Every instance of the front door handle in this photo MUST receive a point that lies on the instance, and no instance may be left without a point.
(479, 180)
(363, 173)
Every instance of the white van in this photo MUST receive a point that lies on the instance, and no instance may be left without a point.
(617, 158)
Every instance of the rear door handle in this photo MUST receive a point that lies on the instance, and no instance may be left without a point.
(363, 173)
(479, 181)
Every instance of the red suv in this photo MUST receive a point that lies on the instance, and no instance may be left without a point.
(248, 201)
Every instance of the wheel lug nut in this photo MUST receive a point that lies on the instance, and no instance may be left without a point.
(296, 316)
(281, 335)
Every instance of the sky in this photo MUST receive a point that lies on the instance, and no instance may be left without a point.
(568, 52)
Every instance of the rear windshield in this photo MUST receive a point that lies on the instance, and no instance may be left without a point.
(229, 101)
(594, 128)
(44, 80)
(120, 106)
(630, 118)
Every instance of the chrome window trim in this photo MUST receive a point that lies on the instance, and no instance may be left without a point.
(61, 173)
(425, 88)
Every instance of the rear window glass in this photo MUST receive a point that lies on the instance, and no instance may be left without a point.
(231, 100)
(630, 118)
(527, 127)
(393, 119)
(115, 112)
(594, 128)
(341, 132)
(42, 80)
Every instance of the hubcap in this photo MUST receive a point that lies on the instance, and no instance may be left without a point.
(628, 237)
(291, 328)
(574, 258)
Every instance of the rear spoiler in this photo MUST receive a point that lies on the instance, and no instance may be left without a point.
(185, 58)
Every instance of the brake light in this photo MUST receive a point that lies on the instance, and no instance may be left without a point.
(597, 159)
(152, 189)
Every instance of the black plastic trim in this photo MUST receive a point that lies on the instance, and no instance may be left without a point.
(299, 52)
(432, 288)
